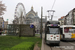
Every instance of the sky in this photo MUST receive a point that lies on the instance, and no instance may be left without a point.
(61, 7)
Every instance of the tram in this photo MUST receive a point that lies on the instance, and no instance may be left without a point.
(67, 32)
(52, 32)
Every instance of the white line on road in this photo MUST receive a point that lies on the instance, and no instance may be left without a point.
(72, 43)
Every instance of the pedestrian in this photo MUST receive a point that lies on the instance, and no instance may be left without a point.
(37, 31)
(0, 32)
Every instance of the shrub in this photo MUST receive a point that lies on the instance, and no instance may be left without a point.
(23, 46)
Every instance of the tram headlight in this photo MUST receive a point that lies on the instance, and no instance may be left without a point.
(51, 35)
(57, 36)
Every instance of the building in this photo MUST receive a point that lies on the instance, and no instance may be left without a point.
(62, 20)
(33, 18)
(44, 20)
(1, 21)
(3, 24)
(70, 18)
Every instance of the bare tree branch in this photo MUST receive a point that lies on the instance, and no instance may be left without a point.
(2, 8)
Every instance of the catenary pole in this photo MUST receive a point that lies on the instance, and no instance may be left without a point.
(41, 22)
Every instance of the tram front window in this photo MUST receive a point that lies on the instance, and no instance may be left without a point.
(53, 30)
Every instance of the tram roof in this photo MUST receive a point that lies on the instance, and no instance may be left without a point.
(53, 22)
(67, 26)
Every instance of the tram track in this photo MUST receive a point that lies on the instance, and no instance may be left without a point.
(62, 46)
(53, 48)
(50, 47)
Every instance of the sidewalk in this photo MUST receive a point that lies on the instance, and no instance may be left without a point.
(42, 47)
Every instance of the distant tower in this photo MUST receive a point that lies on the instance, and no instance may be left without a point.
(32, 8)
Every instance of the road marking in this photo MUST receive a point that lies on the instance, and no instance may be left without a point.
(72, 43)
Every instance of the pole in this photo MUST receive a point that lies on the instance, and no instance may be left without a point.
(41, 22)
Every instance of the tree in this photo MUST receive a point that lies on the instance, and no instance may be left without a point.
(2, 8)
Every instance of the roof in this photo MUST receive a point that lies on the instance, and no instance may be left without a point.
(62, 17)
(31, 12)
(59, 19)
(67, 26)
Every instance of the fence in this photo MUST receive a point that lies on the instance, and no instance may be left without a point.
(20, 30)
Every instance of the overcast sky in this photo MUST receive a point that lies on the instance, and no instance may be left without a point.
(61, 7)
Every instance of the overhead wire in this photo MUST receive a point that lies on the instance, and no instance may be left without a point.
(53, 4)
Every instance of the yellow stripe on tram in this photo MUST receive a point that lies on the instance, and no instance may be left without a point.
(73, 35)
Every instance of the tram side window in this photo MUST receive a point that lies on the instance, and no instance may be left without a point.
(69, 30)
(47, 30)
(66, 30)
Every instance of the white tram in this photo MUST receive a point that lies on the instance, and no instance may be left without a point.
(67, 32)
(52, 32)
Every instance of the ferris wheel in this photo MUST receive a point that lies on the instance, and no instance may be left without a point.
(20, 13)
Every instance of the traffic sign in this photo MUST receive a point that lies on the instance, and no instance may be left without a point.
(31, 26)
